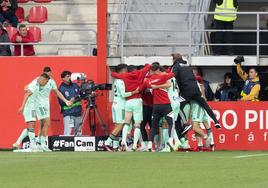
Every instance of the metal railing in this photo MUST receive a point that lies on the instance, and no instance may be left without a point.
(190, 44)
(87, 44)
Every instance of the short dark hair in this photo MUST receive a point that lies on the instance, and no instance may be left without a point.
(21, 26)
(44, 75)
(120, 67)
(162, 69)
(155, 66)
(131, 68)
(47, 69)
(65, 73)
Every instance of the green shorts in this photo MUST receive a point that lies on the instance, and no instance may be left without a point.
(198, 113)
(29, 114)
(135, 106)
(118, 113)
(42, 112)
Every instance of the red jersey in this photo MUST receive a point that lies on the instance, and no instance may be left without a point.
(28, 50)
(133, 80)
(147, 98)
(160, 96)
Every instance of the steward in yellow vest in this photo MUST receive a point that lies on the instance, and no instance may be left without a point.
(224, 17)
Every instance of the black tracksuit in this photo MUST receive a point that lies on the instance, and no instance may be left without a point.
(189, 89)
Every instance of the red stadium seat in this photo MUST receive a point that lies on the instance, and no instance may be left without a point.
(20, 14)
(23, 1)
(36, 32)
(11, 31)
(37, 14)
(42, 1)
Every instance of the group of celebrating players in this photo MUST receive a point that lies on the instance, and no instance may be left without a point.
(170, 100)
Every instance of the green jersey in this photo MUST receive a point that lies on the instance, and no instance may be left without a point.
(173, 92)
(120, 92)
(42, 99)
(34, 88)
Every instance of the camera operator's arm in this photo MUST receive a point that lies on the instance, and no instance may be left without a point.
(59, 94)
(243, 75)
(25, 98)
(254, 93)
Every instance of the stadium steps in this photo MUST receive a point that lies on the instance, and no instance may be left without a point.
(69, 14)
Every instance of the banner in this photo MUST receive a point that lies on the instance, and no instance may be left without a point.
(244, 125)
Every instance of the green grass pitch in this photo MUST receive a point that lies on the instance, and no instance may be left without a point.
(133, 169)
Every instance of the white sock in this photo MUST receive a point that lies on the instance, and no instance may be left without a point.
(23, 134)
(125, 133)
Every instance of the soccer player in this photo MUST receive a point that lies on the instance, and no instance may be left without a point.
(43, 105)
(161, 103)
(188, 86)
(118, 108)
(133, 107)
(29, 110)
(199, 115)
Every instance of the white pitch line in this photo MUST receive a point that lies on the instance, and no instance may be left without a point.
(248, 156)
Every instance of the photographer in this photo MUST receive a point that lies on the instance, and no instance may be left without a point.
(252, 87)
(227, 91)
(71, 114)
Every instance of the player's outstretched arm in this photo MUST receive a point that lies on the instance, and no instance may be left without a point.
(59, 94)
(162, 86)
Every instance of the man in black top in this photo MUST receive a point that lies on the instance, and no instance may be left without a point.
(189, 89)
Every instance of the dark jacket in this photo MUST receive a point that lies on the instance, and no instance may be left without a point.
(186, 80)
(227, 93)
(219, 2)
(14, 4)
(69, 92)
(208, 91)
(4, 49)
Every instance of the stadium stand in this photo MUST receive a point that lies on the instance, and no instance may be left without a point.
(11, 31)
(20, 14)
(37, 14)
(36, 31)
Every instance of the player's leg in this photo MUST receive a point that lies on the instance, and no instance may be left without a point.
(138, 117)
(43, 114)
(118, 115)
(210, 135)
(156, 115)
(168, 114)
(197, 117)
(29, 115)
(176, 109)
(203, 103)
(127, 123)
(147, 118)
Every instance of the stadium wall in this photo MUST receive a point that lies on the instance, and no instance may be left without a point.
(17, 72)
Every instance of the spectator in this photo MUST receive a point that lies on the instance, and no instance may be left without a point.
(224, 21)
(227, 91)
(72, 115)
(4, 49)
(252, 87)
(23, 36)
(208, 91)
(7, 12)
